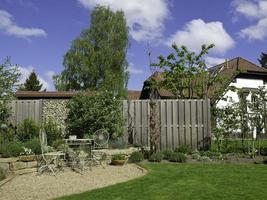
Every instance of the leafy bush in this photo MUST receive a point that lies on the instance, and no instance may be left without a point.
(57, 143)
(136, 157)
(196, 155)
(117, 143)
(184, 149)
(52, 131)
(156, 157)
(177, 157)
(7, 134)
(34, 145)
(265, 161)
(211, 154)
(263, 151)
(118, 157)
(91, 112)
(28, 130)
(63, 147)
(2, 174)
(204, 159)
(167, 153)
(11, 149)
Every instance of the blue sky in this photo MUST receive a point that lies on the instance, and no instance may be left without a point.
(37, 33)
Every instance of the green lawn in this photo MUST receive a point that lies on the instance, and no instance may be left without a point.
(188, 181)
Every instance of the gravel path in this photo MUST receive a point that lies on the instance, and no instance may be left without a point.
(46, 186)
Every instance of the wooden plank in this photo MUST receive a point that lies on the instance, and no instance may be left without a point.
(143, 122)
(181, 122)
(37, 111)
(125, 116)
(136, 124)
(209, 118)
(169, 125)
(199, 123)
(205, 122)
(193, 123)
(175, 123)
(187, 122)
(131, 123)
(163, 124)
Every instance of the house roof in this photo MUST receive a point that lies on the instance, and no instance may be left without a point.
(228, 69)
(44, 95)
(132, 95)
(238, 63)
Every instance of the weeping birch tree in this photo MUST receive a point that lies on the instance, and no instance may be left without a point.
(97, 58)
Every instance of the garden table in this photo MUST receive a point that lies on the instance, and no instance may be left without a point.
(81, 144)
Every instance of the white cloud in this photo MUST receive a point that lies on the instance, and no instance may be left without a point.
(26, 71)
(8, 26)
(213, 61)
(197, 32)
(255, 32)
(256, 12)
(133, 70)
(145, 18)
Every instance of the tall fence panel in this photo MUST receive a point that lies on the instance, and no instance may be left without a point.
(182, 122)
(23, 109)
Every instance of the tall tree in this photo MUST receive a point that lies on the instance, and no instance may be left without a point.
(263, 60)
(97, 58)
(9, 75)
(32, 83)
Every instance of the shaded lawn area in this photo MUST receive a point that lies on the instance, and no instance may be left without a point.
(188, 181)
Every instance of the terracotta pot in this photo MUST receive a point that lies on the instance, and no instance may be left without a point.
(118, 162)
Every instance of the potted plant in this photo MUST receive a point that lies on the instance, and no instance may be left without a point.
(27, 155)
(118, 159)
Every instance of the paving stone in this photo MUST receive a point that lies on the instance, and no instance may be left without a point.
(25, 171)
(4, 167)
(18, 165)
(8, 160)
(32, 164)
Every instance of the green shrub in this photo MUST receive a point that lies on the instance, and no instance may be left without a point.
(2, 174)
(117, 143)
(34, 145)
(136, 157)
(57, 143)
(63, 147)
(28, 130)
(265, 161)
(7, 135)
(156, 157)
(184, 149)
(89, 113)
(53, 132)
(167, 153)
(263, 151)
(204, 159)
(118, 157)
(196, 154)
(11, 149)
(177, 157)
(211, 154)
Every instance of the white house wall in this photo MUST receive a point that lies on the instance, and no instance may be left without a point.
(240, 83)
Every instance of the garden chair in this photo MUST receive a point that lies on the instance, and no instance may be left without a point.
(46, 164)
(101, 138)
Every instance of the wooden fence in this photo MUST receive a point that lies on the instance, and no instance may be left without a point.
(23, 109)
(182, 122)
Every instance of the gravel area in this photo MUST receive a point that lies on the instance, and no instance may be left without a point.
(46, 186)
